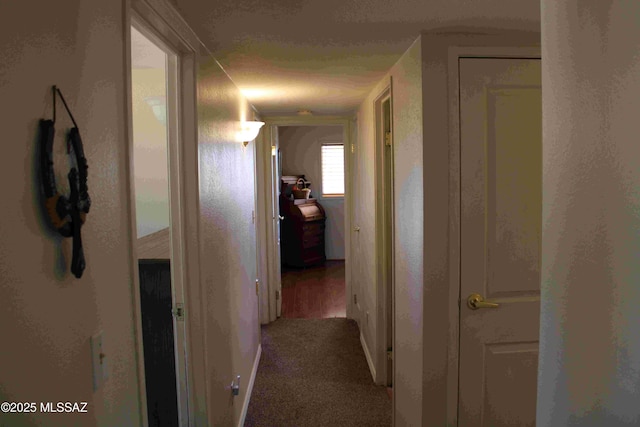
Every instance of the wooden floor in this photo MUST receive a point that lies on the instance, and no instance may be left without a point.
(314, 292)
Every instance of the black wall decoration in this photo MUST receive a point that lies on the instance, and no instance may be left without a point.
(67, 214)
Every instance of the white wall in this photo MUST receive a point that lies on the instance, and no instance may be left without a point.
(589, 370)
(300, 147)
(227, 241)
(47, 315)
(408, 142)
(408, 224)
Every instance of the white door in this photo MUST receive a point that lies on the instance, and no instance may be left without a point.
(501, 203)
(275, 185)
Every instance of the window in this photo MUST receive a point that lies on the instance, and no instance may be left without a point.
(332, 170)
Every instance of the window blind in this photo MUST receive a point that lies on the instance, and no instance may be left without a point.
(332, 169)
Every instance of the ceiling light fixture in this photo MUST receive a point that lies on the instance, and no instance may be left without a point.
(248, 131)
(305, 113)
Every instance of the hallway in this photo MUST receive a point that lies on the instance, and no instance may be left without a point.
(313, 373)
(236, 64)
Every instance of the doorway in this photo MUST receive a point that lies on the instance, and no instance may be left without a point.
(157, 209)
(384, 235)
(269, 198)
(310, 184)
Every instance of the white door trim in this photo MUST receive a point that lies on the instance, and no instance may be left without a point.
(167, 26)
(382, 256)
(265, 224)
(454, 303)
(260, 224)
(268, 299)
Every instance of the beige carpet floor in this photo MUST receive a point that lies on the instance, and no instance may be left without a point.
(313, 373)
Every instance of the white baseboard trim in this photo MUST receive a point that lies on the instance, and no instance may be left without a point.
(372, 367)
(247, 398)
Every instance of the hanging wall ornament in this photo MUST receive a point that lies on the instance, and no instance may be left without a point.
(67, 214)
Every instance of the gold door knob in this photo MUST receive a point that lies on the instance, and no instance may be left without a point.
(476, 301)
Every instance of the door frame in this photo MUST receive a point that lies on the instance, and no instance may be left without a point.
(164, 24)
(265, 206)
(259, 223)
(456, 300)
(384, 244)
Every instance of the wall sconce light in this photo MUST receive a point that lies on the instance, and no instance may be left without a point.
(248, 131)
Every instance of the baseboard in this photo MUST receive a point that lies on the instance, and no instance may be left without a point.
(247, 398)
(372, 367)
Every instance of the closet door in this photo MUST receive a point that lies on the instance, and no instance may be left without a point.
(501, 211)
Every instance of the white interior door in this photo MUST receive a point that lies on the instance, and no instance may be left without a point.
(501, 203)
(178, 273)
(275, 185)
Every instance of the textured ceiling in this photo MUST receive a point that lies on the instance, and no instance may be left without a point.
(324, 56)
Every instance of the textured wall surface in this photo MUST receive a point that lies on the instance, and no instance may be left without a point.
(409, 235)
(407, 140)
(589, 370)
(227, 241)
(47, 315)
